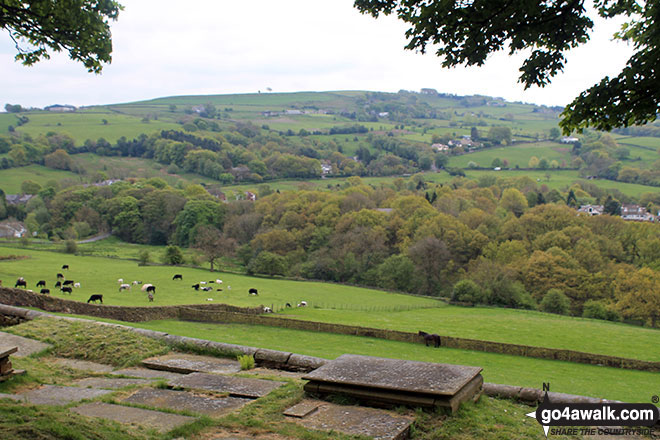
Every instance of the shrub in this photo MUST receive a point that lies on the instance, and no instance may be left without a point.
(246, 361)
(173, 255)
(70, 247)
(144, 257)
(468, 291)
(599, 310)
(555, 302)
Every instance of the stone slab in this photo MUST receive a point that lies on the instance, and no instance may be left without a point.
(183, 400)
(6, 350)
(235, 386)
(25, 346)
(157, 420)
(147, 373)
(354, 420)
(84, 365)
(108, 383)
(395, 374)
(59, 395)
(303, 409)
(190, 363)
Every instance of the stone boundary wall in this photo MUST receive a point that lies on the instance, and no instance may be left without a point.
(446, 341)
(23, 298)
(222, 313)
(292, 361)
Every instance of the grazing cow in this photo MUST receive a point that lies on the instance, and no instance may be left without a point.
(430, 338)
(195, 286)
(302, 304)
(177, 277)
(120, 281)
(76, 285)
(58, 284)
(253, 291)
(45, 291)
(209, 299)
(218, 281)
(65, 267)
(203, 283)
(68, 283)
(228, 287)
(68, 290)
(151, 289)
(219, 290)
(95, 298)
(135, 283)
(41, 283)
(124, 287)
(268, 310)
(207, 289)
(151, 297)
(145, 287)
(288, 305)
(59, 275)
(20, 283)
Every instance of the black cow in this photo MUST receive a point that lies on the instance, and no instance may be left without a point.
(207, 289)
(177, 277)
(58, 284)
(288, 305)
(253, 291)
(195, 286)
(68, 290)
(68, 283)
(65, 267)
(151, 289)
(41, 283)
(95, 298)
(20, 283)
(45, 291)
(430, 339)
(59, 275)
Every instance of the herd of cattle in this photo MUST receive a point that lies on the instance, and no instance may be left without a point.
(66, 286)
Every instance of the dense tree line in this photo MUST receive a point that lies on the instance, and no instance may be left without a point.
(494, 241)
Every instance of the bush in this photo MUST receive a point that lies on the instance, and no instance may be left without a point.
(70, 247)
(246, 361)
(144, 257)
(599, 310)
(173, 255)
(555, 302)
(468, 291)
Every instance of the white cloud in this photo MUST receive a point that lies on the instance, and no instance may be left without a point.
(164, 48)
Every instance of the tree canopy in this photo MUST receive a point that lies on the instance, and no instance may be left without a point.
(466, 32)
(80, 27)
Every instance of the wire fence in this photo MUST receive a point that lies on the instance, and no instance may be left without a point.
(352, 307)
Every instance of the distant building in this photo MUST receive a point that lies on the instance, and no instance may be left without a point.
(326, 168)
(293, 112)
(250, 196)
(636, 213)
(592, 209)
(60, 108)
(569, 140)
(18, 199)
(440, 147)
(432, 92)
(383, 114)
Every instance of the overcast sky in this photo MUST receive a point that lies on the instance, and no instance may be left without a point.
(168, 47)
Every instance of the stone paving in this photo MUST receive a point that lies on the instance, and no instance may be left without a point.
(183, 400)
(190, 363)
(235, 386)
(353, 420)
(26, 346)
(146, 373)
(108, 383)
(84, 365)
(158, 420)
(59, 395)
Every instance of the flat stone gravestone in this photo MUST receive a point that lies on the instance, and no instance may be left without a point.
(58, 395)
(394, 381)
(183, 400)
(84, 365)
(303, 409)
(105, 382)
(157, 420)
(25, 346)
(235, 386)
(147, 373)
(190, 363)
(354, 420)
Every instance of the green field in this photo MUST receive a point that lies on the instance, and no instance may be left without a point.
(518, 154)
(89, 125)
(12, 178)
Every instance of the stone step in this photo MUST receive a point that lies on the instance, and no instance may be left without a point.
(110, 383)
(59, 395)
(26, 346)
(147, 373)
(190, 363)
(235, 386)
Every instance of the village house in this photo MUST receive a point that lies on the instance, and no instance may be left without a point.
(636, 213)
(440, 147)
(592, 209)
(60, 108)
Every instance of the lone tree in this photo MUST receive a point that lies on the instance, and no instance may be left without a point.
(466, 32)
(80, 27)
(213, 244)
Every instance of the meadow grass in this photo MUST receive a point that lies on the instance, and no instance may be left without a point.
(517, 154)
(331, 303)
